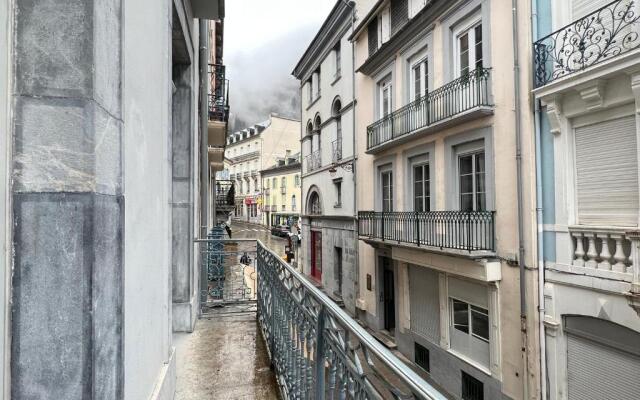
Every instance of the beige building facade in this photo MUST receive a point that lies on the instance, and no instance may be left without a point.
(441, 256)
(253, 149)
(281, 192)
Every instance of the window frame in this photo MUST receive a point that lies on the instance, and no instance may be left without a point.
(468, 26)
(469, 313)
(423, 65)
(384, 19)
(474, 175)
(389, 191)
(426, 183)
(385, 85)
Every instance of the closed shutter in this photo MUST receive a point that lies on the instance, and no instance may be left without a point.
(581, 8)
(607, 173)
(598, 372)
(425, 303)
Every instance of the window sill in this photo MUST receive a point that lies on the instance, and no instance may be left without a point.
(336, 79)
(313, 102)
(338, 205)
(471, 362)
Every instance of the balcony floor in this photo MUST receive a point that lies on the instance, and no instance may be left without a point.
(224, 358)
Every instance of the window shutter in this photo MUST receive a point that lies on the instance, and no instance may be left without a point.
(424, 303)
(607, 173)
(399, 15)
(372, 33)
(582, 8)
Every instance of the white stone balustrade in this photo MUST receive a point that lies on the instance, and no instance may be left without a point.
(607, 249)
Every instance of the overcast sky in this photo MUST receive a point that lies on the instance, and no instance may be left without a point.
(263, 42)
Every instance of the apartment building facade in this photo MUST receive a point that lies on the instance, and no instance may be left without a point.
(446, 238)
(325, 72)
(281, 191)
(253, 149)
(588, 135)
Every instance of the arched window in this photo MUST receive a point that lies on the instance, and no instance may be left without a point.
(293, 203)
(317, 123)
(309, 128)
(314, 204)
(337, 107)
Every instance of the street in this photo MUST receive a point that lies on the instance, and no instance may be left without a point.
(243, 230)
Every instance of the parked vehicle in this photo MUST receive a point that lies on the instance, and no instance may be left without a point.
(280, 230)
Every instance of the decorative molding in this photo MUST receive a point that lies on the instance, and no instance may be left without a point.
(635, 87)
(554, 112)
(593, 94)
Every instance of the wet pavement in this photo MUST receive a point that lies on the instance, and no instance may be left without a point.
(225, 358)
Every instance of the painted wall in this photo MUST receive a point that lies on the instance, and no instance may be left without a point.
(147, 164)
(5, 146)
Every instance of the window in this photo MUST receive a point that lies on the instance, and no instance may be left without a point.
(387, 191)
(472, 389)
(338, 60)
(314, 204)
(421, 357)
(275, 183)
(338, 270)
(471, 170)
(384, 26)
(310, 91)
(297, 180)
(469, 49)
(338, 185)
(421, 188)
(266, 181)
(293, 203)
(415, 6)
(419, 80)
(283, 182)
(386, 97)
(284, 207)
(470, 319)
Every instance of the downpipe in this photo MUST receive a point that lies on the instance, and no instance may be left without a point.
(539, 223)
(204, 133)
(521, 249)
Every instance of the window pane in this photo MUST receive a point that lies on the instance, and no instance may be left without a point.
(478, 44)
(417, 90)
(464, 53)
(480, 182)
(466, 202)
(425, 71)
(480, 162)
(466, 184)
(417, 173)
(466, 165)
(480, 323)
(460, 315)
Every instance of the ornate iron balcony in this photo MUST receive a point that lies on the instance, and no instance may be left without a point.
(225, 194)
(313, 161)
(219, 95)
(606, 33)
(317, 350)
(466, 93)
(336, 147)
(458, 230)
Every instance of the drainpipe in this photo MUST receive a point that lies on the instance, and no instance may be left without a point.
(204, 131)
(539, 222)
(521, 255)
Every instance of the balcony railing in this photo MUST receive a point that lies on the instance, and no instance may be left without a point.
(604, 249)
(611, 31)
(313, 161)
(317, 350)
(336, 147)
(466, 93)
(457, 230)
(245, 157)
(225, 194)
(219, 96)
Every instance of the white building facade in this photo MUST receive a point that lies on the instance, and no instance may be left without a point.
(325, 72)
(253, 149)
(589, 147)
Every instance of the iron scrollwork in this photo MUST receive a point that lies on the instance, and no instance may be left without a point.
(600, 36)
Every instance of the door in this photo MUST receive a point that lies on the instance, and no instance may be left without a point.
(388, 295)
(316, 255)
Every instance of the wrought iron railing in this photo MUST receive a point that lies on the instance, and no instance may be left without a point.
(313, 161)
(608, 32)
(336, 147)
(462, 94)
(245, 157)
(318, 351)
(225, 194)
(458, 230)
(219, 95)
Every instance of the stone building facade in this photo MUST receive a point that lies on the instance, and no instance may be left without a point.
(325, 72)
(101, 190)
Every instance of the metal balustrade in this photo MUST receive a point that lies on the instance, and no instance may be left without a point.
(468, 92)
(219, 97)
(225, 194)
(313, 161)
(336, 147)
(458, 230)
(608, 32)
(317, 350)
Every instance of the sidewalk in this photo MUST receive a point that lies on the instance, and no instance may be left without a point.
(224, 359)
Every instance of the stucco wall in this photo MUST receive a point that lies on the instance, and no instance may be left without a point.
(147, 165)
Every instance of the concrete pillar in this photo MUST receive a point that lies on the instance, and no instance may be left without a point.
(67, 320)
(184, 301)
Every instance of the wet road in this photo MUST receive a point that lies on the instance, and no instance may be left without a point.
(242, 230)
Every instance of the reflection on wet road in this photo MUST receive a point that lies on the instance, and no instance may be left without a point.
(242, 230)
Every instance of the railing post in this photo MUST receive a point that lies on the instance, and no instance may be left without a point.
(319, 356)
(634, 237)
(382, 234)
(469, 240)
(417, 228)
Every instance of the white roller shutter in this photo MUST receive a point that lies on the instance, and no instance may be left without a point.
(425, 303)
(598, 372)
(581, 8)
(607, 173)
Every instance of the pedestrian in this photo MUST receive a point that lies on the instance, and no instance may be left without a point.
(228, 229)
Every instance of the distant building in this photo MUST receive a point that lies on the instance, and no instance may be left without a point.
(281, 189)
(253, 149)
